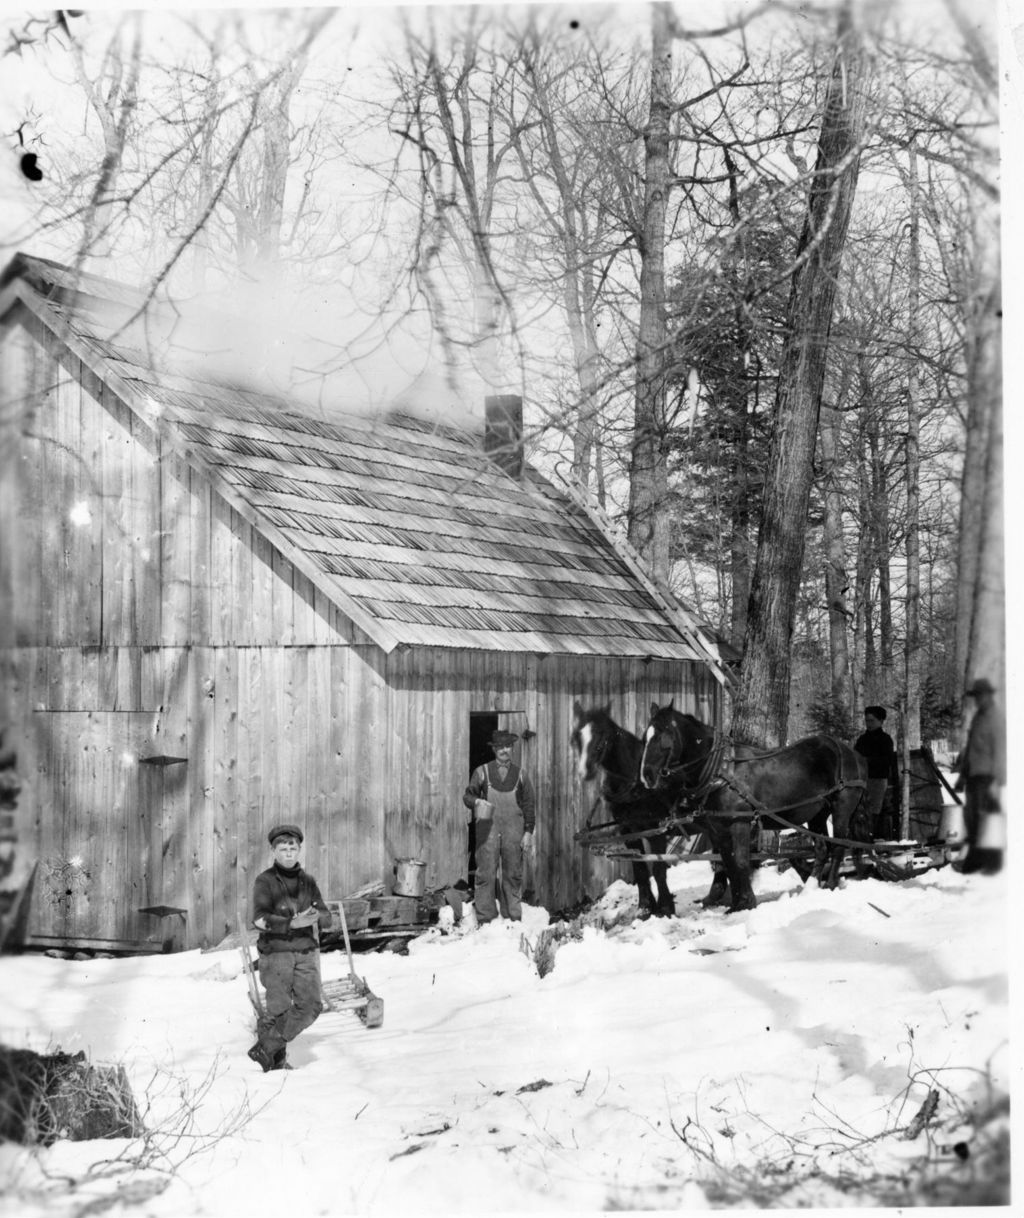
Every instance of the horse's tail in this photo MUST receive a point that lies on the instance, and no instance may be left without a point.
(849, 774)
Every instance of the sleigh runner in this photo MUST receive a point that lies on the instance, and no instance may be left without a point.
(351, 993)
(796, 847)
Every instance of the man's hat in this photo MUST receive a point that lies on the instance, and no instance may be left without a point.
(981, 686)
(877, 712)
(284, 831)
(502, 739)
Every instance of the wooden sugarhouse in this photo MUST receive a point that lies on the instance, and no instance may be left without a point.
(218, 611)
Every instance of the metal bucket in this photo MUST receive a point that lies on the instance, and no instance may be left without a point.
(951, 827)
(410, 878)
(484, 810)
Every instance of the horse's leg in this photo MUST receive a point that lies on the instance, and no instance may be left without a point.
(739, 871)
(665, 905)
(818, 823)
(719, 891)
(642, 880)
(848, 822)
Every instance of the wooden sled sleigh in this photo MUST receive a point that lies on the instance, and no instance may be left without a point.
(349, 993)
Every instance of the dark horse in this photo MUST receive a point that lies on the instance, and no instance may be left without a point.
(726, 786)
(601, 744)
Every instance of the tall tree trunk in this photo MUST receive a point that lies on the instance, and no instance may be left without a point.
(981, 623)
(648, 467)
(762, 704)
(914, 649)
(745, 405)
(883, 541)
(836, 578)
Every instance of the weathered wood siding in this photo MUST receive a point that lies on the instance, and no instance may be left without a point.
(434, 691)
(144, 618)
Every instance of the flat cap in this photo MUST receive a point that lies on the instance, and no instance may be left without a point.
(284, 831)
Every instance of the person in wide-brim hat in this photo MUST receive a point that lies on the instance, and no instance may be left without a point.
(501, 798)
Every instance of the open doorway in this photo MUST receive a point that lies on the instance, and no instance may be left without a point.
(481, 725)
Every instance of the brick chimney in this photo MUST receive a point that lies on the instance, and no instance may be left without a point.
(503, 432)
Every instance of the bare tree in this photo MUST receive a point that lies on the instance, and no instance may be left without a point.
(113, 96)
(448, 114)
(648, 477)
(762, 705)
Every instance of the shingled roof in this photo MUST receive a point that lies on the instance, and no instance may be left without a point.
(406, 525)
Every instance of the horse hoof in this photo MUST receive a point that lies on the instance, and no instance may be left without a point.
(742, 905)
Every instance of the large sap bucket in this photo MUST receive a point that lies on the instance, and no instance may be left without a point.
(951, 829)
(410, 878)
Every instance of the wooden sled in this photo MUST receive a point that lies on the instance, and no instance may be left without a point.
(250, 973)
(351, 993)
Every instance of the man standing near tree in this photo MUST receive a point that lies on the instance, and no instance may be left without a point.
(876, 745)
(982, 766)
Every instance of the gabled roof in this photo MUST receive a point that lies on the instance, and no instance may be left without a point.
(407, 526)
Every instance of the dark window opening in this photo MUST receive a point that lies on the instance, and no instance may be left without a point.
(481, 725)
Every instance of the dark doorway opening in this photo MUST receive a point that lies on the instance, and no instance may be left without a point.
(481, 725)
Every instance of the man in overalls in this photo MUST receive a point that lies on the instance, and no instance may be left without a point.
(503, 835)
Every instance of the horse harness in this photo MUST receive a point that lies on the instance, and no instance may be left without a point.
(711, 779)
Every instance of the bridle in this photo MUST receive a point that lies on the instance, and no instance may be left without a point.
(599, 754)
(706, 776)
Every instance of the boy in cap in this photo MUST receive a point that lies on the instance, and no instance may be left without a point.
(982, 771)
(507, 835)
(875, 744)
(288, 911)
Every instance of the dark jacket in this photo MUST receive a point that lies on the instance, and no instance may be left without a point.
(487, 776)
(876, 745)
(277, 896)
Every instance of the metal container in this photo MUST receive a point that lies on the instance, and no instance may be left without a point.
(410, 878)
(484, 810)
(951, 827)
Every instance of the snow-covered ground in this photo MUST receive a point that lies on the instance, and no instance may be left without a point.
(771, 1057)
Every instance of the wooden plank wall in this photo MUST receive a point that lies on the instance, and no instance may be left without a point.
(153, 620)
(269, 734)
(140, 591)
(434, 691)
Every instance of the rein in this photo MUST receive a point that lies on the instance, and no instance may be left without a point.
(709, 780)
(632, 789)
(709, 764)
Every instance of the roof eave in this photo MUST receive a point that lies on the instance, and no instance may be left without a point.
(18, 291)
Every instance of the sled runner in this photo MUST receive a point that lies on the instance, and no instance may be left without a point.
(351, 993)
(250, 973)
